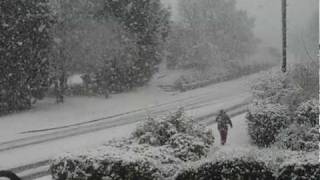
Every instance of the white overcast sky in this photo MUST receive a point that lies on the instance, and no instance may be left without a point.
(268, 16)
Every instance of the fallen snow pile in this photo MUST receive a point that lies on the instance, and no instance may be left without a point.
(157, 150)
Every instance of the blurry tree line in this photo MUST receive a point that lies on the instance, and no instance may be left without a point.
(210, 33)
(115, 44)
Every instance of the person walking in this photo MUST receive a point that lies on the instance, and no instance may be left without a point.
(223, 120)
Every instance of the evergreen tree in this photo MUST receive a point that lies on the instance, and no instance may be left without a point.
(148, 21)
(24, 46)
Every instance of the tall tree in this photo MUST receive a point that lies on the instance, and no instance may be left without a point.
(25, 41)
(212, 33)
(148, 21)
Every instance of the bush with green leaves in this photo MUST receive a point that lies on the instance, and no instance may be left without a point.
(188, 139)
(25, 41)
(265, 122)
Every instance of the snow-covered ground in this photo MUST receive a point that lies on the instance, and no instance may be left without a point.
(237, 137)
(47, 114)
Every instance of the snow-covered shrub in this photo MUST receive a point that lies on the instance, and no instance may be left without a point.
(25, 41)
(303, 134)
(187, 147)
(265, 121)
(308, 113)
(300, 171)
(299, 137)
(188, 139)
(276, 88)
(110, 168)
(254, 163)
(157, 150)
(118, 160)
(300, 165)
(306, 75)
(228, 169)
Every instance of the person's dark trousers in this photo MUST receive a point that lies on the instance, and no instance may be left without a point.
(223, 135)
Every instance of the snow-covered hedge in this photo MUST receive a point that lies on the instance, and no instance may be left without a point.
(300, 171)
(118, 160)
(230, 163)
(214, 75)
(254, 163)
(300, 166)
(188, 139)
(265, 121)
(303, 134)
(110, 168)
(299, 137)
(230, 169)
(276, 88)
(308, 112)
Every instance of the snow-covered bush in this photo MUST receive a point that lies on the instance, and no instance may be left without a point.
(157, 150)
(188, 139)
(254, 163)
(265, 121)
(308, 113)
(300, 165)
(303, 134)
(118, 160)
(25, 41)
(276, 88)
(299, 137)
(300, 171)
(186, 147)
(111, 168)
(229, 169)
(306, 75)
